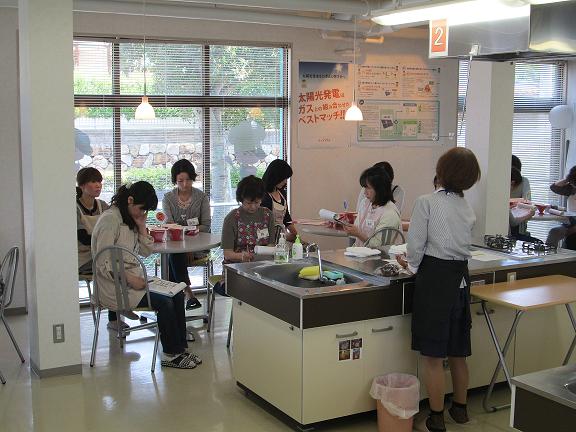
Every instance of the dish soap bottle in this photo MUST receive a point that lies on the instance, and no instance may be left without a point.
(297, 249)
(281, 254)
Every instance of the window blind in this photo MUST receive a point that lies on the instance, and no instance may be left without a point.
(538, 87)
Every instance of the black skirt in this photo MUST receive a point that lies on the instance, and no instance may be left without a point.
(441, 319)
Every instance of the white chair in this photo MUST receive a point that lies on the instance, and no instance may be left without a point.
(8, 270)
(117, 257)
(386, 236)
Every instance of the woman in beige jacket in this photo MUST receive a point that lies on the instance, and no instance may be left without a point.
(124, 224)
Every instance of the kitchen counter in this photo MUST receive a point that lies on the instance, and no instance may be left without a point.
(551, 384)
(541, 400)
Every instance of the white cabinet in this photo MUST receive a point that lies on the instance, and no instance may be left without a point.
(268, 358)
(542, 339)
(335, 387)
(484, 358)
(332, 387)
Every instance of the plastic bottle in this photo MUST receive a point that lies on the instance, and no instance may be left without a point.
(297, 249)
(281, 254)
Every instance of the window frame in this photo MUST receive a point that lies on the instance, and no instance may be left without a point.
(116, 101)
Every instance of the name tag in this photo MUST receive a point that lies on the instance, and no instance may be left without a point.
(370, 223)
(192, 222)
(262, 233)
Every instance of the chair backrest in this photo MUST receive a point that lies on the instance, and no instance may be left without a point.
(8, 270)
(117, 257)
(386, 236)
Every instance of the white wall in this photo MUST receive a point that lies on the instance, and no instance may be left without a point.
(11, 210)
(322, 177)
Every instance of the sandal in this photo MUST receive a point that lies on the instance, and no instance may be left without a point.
(182, 361)
(195, 358)
(193, 303)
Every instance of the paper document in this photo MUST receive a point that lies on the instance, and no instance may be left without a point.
(485, 256)
(164, 287)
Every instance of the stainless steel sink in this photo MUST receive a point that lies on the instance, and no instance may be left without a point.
(288, 274)
(571, 387)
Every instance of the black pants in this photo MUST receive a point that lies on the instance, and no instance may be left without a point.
(171, 321)
(179, 268)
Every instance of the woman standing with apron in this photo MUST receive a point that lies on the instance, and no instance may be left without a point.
(438, 249)
(275, 179)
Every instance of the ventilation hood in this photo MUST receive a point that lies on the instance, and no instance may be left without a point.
(548, 32)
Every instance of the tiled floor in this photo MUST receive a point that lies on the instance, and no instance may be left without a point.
(120, 393)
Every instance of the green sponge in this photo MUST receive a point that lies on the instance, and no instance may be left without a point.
(333, 274)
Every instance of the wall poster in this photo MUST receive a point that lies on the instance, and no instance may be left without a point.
(324, 95)
(399, 102)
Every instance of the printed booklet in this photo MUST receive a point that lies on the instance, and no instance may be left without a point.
(165, 287)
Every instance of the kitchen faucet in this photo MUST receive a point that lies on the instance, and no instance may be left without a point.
(310, 246)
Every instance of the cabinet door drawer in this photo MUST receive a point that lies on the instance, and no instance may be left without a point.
(332, 383)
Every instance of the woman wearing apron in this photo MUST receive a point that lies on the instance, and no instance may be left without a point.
(88, 210)
(377, 211)
(438, 250)
(249, 225)
(275, 179)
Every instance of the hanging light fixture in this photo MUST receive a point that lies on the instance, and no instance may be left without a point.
(145, 111)
(353, 113)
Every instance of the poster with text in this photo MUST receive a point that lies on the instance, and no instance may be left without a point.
(399, 120)
(325, 93)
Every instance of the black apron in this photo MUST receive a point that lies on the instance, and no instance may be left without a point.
(440, 304)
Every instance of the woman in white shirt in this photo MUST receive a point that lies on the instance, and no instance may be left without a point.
(397, 191)
(377, 210)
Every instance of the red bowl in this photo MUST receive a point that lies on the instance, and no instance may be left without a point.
(159, 235)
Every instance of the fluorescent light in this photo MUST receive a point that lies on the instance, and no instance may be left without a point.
(145, 111)
(353, 113)
(457, 13)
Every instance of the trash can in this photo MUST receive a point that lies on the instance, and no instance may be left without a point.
(397, 397)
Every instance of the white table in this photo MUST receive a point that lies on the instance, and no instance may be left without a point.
(197, 243)
(321, 230)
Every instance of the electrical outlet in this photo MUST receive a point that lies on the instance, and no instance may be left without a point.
(58, 333)
(511, 276)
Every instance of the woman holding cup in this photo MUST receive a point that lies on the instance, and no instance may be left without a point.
(187, 206)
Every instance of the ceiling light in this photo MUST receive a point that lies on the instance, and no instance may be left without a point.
(353, 113)
(455, 12)
(145, 111)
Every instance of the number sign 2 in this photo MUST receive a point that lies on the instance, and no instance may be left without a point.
(438, 38)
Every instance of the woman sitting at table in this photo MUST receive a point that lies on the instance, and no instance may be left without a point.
(88, 210)
(377, 211)
(517, 220)
(397, 191)
(186, 205)
(124, 224)
(275, 179)
(248, 225)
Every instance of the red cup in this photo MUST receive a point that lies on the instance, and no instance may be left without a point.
(175, 233)
(158, 234)
(541, 208)
(192, 230)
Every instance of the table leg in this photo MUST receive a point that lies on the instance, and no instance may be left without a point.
(164, 267)
(573, 344)
(501, 356)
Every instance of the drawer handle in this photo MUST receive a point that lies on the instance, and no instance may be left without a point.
(478, 282)
(490, 312)
(385, 329)
(349, 335)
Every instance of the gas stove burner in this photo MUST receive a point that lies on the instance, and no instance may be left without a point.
(499, 242)
(538, 247)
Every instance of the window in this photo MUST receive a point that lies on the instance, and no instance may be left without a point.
(538, 88)
(223, 107)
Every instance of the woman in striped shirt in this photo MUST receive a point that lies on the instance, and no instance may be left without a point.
(438, 249)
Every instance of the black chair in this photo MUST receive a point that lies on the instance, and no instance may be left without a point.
(8, 270)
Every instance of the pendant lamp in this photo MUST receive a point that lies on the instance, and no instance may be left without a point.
(145, 111)
(353, 113)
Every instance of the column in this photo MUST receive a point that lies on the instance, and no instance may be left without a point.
(47, 140)
(489, 117)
